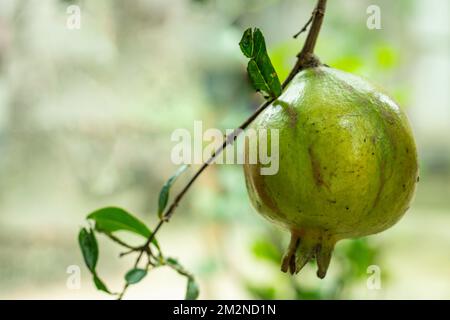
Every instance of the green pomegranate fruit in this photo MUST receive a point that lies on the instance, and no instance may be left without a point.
(347, 164)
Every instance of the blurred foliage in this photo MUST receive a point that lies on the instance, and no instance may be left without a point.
(86, 117)
(351, 259)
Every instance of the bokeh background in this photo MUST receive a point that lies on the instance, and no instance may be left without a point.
(86, 117)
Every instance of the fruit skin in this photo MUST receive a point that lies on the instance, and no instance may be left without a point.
(347, 164)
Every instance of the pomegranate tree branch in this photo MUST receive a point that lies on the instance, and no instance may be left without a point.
(305, 59)
(311, 39)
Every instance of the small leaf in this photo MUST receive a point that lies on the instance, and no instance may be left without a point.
(135, 275)
(261, 72)
(257, 78)
(175, 265)
(89, 248)
(100, 285)
(259, 44)
(246, 43)
(111, 219)
(192, 290)
(164, 194)
(172, 261)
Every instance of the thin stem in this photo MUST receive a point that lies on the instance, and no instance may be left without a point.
(304, 60)
(306, 56)
(305, 27)
(123, 244)
(229, 140)
(123, 254)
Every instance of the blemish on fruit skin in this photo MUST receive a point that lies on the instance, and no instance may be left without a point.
(315, 165)
(260, 186)
(382, 182)
(387, 116)
(258, 204)
(293, 116)
(290, 112)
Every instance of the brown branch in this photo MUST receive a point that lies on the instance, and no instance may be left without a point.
(305, 59)
(311, 39)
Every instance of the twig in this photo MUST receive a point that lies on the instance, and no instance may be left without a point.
(123, 244)
(311, 39)
(305, 59)
(123, 254)
(305, 27)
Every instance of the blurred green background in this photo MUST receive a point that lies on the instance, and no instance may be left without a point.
(86, 117)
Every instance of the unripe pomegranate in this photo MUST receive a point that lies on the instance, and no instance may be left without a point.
(347, 164)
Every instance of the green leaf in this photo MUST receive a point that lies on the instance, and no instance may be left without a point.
(89, 248)
(172, 261)
(260, 69)
(257, 78)
(100, 285)
(246, 43)
(164, 194)
(175, 265)
(113, 219)
(135, 275)
(192, 290)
